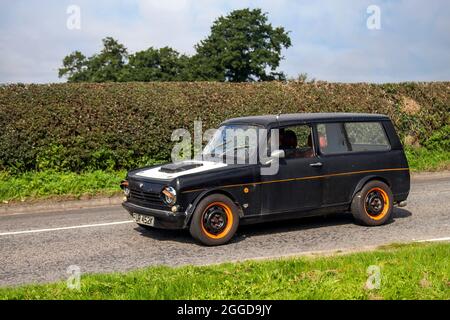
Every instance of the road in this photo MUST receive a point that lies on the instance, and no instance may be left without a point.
(39, 247)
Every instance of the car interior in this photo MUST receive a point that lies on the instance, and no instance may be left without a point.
(293, 148)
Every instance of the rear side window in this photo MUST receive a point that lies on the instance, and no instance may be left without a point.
(337, 138)
(366, 136)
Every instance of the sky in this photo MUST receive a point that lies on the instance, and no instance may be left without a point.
(331, 40)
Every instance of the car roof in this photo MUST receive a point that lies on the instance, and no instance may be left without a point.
(293, 118)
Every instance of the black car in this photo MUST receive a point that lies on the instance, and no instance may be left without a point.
(325, 162)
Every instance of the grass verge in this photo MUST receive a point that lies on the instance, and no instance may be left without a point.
(45, 184)
(415, 271)
(422, 159)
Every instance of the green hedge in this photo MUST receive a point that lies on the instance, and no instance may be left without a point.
(77, 127)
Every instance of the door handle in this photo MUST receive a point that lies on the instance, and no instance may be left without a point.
(316, 165)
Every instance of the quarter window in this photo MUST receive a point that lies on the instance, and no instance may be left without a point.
(366, 136)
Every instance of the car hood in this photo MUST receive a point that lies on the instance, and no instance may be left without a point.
(179, 169)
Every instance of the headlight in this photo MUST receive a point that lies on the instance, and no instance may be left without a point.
(169, 195)
(125, 188)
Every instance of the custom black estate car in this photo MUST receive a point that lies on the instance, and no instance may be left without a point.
(322, 163)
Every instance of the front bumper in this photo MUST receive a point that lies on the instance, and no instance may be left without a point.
(164, 219)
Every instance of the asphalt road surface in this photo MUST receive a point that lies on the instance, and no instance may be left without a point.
(39, 247)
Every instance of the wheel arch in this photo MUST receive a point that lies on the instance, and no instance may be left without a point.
(206, 193)
(366, 180)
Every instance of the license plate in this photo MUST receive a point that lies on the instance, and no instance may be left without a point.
(143, 219)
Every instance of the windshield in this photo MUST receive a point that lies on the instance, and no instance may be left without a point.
(235, 143)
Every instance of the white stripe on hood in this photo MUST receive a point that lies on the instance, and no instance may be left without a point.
(156, 174)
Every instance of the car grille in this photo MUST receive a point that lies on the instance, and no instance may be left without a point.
(144, 197)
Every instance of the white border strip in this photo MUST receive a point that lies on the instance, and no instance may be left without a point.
(66, 228)
(435, 240)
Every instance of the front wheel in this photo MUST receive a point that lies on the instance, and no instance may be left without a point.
(215, 220)
(373, 205)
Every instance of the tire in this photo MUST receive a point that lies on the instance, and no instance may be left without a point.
(373, 205)
(215, 220)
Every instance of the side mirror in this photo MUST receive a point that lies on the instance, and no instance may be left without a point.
(277, 154)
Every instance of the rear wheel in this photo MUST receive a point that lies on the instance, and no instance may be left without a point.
(373, 205)
(215, 220)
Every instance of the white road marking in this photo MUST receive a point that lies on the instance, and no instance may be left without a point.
(66, 228)
(428, 192)
(435, 240)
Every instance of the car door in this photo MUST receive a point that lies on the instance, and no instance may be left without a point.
(349, 152)
(295, 186)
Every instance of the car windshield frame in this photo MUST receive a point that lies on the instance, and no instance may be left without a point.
(220, 148)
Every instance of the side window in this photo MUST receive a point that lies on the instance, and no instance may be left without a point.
(332, 138)
(351, 137)
(366, 136)
(296, 141)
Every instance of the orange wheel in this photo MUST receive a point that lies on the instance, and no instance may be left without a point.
(376, 203)
(215, 220)
(373, 204)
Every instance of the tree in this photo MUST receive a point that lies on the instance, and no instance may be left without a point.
(242, 46)
(163, 64)
(102, 67)
(75, 67)
(108, 65)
